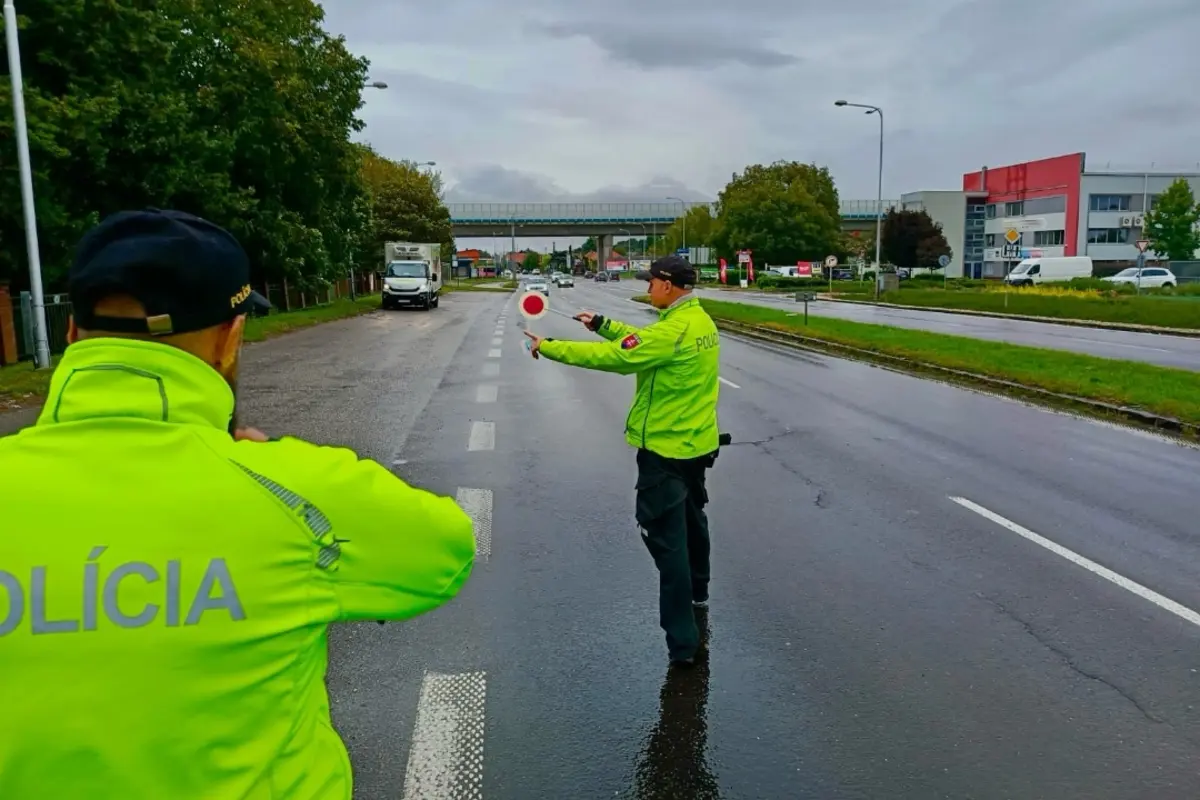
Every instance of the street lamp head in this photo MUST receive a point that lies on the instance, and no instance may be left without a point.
(375, 85)
(871, 110)
(840, 103)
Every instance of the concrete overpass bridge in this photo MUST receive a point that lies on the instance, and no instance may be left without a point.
(602, 220)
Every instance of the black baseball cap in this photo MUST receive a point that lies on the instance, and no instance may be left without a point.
(674, 268)
(187, 272)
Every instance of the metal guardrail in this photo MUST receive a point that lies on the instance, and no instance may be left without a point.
(644, 213)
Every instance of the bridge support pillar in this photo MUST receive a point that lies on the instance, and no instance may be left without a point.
(603, 250)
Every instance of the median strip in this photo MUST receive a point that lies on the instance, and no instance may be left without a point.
(1160, 397)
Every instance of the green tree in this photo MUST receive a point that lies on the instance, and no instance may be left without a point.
(404, 207)
(783, 212)
(701, 225)
(240, 112)
(588, 246)
(1170, 226)
(911, 239)
(533, 260)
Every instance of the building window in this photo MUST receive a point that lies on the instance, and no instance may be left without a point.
(975, 210)
(989, 240)
(1015, 209)
(1046, 205)
(1108, 235)
(991, 211)
(1109, 202)
(1153, 201)
(1049, 238)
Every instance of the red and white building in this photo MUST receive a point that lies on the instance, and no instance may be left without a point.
(1058, 207)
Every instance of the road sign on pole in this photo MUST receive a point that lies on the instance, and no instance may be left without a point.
(831, 261)
(1012, 235)
(533, 305)
(943, 261)
(1143, 245)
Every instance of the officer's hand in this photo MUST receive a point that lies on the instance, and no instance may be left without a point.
(250, 435)
(535, 345)
(586, 318)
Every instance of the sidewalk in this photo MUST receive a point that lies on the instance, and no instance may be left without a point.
(13, 421)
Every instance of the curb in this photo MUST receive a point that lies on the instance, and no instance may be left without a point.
(1076, 323)
(798, 341)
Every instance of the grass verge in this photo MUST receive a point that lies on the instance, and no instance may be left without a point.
(22, 386)
(1167, 392)
(1162, 311)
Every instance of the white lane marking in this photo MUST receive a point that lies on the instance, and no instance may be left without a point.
(477, 503)
(491, 370)
(497, 341)
(486, 393)
(1165, 603)
(445, 760)
(494, 352)
(730, 384)
(483, 436)
(399, 462)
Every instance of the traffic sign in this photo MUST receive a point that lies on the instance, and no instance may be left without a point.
(831, 261)
(533, 305)
(1010, 252)
(683, 251)
(743, 256)
(1143, 245)
(1012, 236)
(943, 261)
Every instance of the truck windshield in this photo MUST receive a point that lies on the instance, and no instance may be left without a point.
(1020, 269)
(406, 269)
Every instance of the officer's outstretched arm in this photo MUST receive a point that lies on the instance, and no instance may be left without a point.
(611, 328)
(644, 349)
(385, 549)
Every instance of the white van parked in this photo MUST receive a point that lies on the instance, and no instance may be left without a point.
(1033, 271)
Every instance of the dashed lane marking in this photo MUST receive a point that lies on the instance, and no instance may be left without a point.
(497, 341)
(729, 383)
(491, 370)
(494, 352)
(477, 503)
(1165, 603)
(445, 761)
(483, 436)
(486, 393)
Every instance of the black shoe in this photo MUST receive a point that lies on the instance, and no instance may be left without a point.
(683, 663)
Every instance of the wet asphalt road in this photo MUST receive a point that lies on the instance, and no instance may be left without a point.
(1169, 351)
(870, 637)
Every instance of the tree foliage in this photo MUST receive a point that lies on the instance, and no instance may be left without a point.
(1171, 225)
(532, 261)
(404, 206)
(239, 112)
(701, 225)
(783, 212)
(912, 240)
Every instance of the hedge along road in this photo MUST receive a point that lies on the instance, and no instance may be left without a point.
(1168, 351)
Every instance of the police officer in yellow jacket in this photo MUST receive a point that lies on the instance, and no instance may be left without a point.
(166, 581)
(673, 425)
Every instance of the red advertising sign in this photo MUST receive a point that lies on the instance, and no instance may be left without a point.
(723, 274)
(750, 269)
(804, 269)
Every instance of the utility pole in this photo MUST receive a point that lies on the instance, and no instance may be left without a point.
(41, 335)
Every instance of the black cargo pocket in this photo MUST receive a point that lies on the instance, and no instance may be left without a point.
(657, 495)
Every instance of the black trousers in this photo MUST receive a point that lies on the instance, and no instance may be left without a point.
(670, 510)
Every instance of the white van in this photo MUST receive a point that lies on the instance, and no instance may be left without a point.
(1033, 271)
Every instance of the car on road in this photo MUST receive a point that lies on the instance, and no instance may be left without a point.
(564, 280)
(614, 276)
(538, 286)
(1150, 277)
(601, 277)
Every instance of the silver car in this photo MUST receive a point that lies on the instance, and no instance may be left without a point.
(538, 286)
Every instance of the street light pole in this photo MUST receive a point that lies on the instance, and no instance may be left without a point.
(683, 216)
(41, 336)
(628, 247)
(368, 84)
(879, 192)
(645, 240)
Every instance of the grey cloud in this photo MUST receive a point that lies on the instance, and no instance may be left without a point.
(670, 48)
(492, 183)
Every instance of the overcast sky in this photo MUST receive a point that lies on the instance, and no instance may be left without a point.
(565, 100)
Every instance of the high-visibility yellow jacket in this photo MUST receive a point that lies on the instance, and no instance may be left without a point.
(165, 591)
(676, 360)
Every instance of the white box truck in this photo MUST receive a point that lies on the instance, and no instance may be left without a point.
(412, 274)
(1033, 271)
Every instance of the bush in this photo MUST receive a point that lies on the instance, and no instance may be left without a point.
(1095, 285)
